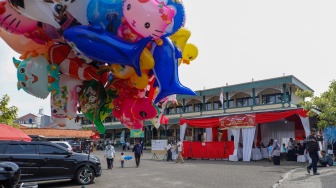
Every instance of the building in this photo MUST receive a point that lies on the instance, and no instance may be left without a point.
(256, 96)
(28, 120)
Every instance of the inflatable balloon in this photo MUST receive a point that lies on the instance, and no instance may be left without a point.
(2, 7)
(50, 12)
(166, 70)
(190, 52)
(179, 16)
(70, 64)
(106, 14)
(64, 104)
(132, 111)
(16, 23)
(107, 47)
(157, 17)
(22, 45)
(37, 77)
(91, 101)
(157, 121)
(78, 9)
(139, 82)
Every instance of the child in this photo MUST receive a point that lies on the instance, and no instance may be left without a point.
(122, 160)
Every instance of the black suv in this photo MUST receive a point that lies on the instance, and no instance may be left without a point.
(43, 161)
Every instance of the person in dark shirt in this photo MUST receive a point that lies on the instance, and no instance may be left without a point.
(137, 149)
(313, 148)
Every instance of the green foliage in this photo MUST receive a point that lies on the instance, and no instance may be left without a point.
(326, 103)
(7, 114)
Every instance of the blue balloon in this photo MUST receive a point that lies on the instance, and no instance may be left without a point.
(166, 70)
(100, 45)
(128, 158)
(179, 18)
(106, 14)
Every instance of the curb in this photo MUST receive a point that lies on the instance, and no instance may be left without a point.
(284, 177)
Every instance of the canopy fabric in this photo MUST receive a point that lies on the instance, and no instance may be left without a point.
(10, 133)
(262, 117)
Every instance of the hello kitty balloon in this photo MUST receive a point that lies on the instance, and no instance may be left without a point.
(147, 17)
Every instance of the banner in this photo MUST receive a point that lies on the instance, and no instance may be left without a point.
(237, 121)
(122, 136)
(137, 133)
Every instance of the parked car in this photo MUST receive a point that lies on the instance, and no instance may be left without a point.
(77, 146)
(44, 161)
(63, 144)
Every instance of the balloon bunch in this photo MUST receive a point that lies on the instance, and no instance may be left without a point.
(99, 57)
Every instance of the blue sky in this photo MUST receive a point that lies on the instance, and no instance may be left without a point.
(237, 41)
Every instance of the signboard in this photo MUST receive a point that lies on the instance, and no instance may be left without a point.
(159, 146)
(237, 121)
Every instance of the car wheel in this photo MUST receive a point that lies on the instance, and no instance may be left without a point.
(85, 175)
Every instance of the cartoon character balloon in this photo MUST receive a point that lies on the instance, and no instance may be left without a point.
(146, 18)
(37, 77)
(133, 111)
(106, 14)
(70, 64)
(179, 16)
(64, 104)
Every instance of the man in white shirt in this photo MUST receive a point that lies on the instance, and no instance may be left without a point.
(179, 146)
(109, 154)
(169, 152)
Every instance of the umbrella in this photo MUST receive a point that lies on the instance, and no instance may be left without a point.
(10, 133)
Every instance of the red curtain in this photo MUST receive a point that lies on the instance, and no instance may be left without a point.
(214, 134)
(264, 117)
(225, 135)
(201, 122)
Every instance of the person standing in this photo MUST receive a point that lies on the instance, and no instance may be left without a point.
(169, 152)
(137, 149)
(313, 148)
(122, 160)
(276, 153)
(109, 155)
(179, 146)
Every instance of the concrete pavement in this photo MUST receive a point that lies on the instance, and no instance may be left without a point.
(300, 178)
(191, 174)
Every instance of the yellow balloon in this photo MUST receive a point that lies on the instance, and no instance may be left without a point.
(190, 52)
(146, 60)
(180, 38)
(122, 72)
(140, 82)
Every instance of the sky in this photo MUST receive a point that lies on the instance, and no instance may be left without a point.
(237, 41)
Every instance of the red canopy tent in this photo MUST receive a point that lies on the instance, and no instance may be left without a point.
(10, 133)
(215, 123)
(263, 117)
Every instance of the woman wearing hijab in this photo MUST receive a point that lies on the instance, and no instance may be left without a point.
(276, 153)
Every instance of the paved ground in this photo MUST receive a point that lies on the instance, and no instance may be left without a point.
(300, 178)
(191, 174)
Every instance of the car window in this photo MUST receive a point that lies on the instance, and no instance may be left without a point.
(2, 148)
(63, 145)
(21, 149)
(46, 149)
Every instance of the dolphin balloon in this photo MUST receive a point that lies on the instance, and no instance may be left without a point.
(100, 45)
(166, 70)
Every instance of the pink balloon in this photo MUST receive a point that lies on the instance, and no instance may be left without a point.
(148, 17)
(133, 111)
(16, 23)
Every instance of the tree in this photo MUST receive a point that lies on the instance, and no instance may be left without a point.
(7, 114)
(326, 104)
